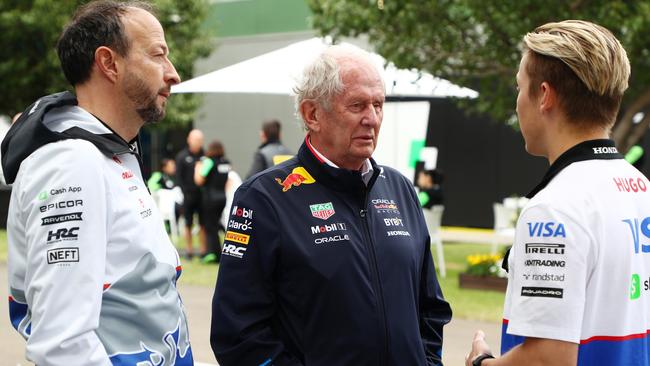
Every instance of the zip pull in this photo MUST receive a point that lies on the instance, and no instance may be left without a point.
(362, 212)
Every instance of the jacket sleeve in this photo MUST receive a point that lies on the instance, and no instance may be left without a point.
(258, 165)
(244, 303)
(435, 312)
(58, 243)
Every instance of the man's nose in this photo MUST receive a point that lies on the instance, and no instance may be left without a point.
(171, 76)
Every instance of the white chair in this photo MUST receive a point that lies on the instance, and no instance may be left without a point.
(167, 200)
(433, 218)
(505, 217)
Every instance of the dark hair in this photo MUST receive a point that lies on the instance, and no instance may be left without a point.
(165, 161)
(271, 130)
(215, 149)
(96, 24)
(580, 105)
(437, 176)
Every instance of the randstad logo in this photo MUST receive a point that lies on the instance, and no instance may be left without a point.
(546, 229)
(297, 177)
(635, 287)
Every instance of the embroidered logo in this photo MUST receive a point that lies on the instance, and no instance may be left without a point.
(297, 177)
(322, 210)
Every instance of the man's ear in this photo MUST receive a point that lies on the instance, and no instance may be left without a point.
(547, 97)
(106, 63)
(311, 112)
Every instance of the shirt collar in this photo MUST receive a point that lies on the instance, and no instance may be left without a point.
(600, 149)
(366, 169)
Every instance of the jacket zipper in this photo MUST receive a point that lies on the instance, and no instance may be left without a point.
(376, 280)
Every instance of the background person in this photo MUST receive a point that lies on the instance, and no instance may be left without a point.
(575, 270)
(326, 259)
(211, 174)
(430, 188)
(271, 151)
(92, 272)
(192, 201)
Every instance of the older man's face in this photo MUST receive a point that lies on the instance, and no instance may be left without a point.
(349, 130)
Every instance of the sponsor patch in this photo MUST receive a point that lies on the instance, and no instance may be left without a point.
(319, 229)
(398, 233)
(383, 205)
(297, 177)
(546, 229)
(552, 292)
(57, 219)
(127, 174)
(62, 255)
(332, 239)
(605, 150)
(635, 287)
(133, 188)
(393, 221)
(233, 250)
(61, 204)
(645, 231)
(242, 226)
(322, 211)
(630, 184)
(243, 212)
(42, 196)
(544, 248)
(544, 263)
(543, 277)
(62, 234)
(237, 237)
(146, 213)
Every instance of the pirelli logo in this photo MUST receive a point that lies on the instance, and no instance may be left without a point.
(237, 237)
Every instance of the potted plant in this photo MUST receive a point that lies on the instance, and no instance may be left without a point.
(484, 272)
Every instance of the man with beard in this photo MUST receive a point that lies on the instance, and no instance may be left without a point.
(92, 272)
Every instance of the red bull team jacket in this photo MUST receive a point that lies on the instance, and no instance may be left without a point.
(320, 269)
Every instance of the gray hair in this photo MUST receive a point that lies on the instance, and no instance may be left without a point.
(321, 79)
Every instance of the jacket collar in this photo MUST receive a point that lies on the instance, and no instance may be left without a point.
(338, 179)
(29, 133)
(601, 149)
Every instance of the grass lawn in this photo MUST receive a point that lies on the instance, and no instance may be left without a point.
(466, 304)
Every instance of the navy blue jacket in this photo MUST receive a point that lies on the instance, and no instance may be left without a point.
(320, 270)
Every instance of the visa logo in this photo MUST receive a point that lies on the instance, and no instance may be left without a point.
(546, 229)
(634, 227)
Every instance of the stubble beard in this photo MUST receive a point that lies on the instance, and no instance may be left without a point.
(144, 100)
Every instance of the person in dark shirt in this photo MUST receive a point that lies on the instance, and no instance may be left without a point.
(430, 184)
(211, 174)
(185, 161)
(271, 151)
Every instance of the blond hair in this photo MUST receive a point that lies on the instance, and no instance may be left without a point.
(598, 68)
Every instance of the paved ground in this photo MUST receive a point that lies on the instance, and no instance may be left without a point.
(458, 333)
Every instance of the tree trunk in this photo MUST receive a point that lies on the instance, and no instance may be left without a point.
(625, 132)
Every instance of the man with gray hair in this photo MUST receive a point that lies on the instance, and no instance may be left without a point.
(579, 267)
(327, 259)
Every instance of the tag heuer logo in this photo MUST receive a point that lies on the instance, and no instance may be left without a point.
(322, 210)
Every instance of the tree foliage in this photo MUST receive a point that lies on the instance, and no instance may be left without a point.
(476, 43)
(31, 69)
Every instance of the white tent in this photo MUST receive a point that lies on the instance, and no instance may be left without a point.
(276, 72)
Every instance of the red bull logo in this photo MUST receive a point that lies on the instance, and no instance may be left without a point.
(297, 177)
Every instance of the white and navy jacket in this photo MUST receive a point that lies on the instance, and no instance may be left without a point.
(92, 272)
(579, 270)
(320, 269)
